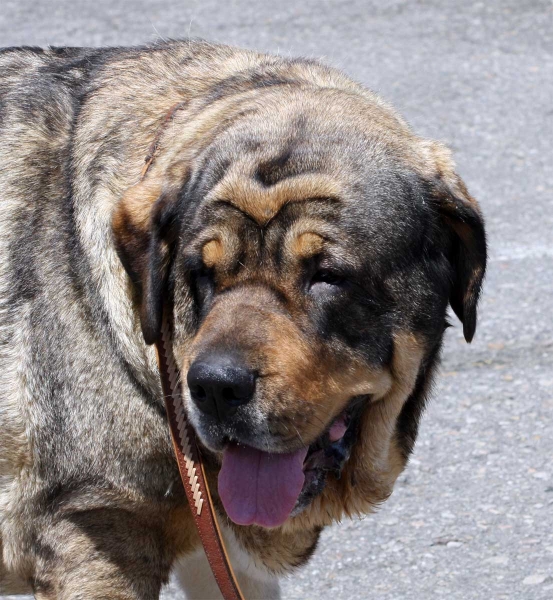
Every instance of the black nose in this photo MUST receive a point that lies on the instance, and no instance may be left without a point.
(219, 385)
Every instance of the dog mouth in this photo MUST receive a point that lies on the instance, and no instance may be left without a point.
(265, 488)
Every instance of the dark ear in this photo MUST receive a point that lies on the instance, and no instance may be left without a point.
(145, 230)
(461, 215)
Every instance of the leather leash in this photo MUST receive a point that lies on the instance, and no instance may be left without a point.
(187, 452)
(189, 459)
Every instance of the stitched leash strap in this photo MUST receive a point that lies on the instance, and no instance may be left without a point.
(189, 458)
(191, 470)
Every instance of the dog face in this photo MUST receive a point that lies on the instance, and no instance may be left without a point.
(310, 245)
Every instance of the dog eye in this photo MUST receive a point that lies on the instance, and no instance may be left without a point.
(330, 278)
(204, 275)
(202, 285)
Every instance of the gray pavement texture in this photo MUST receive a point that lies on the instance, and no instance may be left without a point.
(472, 516)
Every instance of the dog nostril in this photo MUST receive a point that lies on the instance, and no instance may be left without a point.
(198, 392)
(233, 397)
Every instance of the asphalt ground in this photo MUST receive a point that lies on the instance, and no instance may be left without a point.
(472, 516)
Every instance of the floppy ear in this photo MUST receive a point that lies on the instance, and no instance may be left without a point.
(461, 214)
(145, 230)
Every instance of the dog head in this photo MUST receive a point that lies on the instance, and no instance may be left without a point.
(309, 244)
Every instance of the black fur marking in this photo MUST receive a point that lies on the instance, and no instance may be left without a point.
(44, 551)
(155, 278)
(272, 171)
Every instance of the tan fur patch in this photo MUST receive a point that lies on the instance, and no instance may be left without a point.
(136, 204)
(309, 236)
(262, 204)
(212, 253)
(220, 250)
(307, 244)
(318, 387)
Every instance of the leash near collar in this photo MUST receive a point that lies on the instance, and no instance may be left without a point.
(191, 468)
(185, 445)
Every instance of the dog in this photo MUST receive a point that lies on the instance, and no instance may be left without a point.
(306, 244)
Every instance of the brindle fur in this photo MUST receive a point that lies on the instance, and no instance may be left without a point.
(266, 165)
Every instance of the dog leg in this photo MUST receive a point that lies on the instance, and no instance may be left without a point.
(196, 579)
(100, 554)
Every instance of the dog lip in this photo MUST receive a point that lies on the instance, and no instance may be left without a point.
(329, 453)
(350, 416)
(325, 456)
(324, 442)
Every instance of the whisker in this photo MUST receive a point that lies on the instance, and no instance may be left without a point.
(307, 419)
(300, 438)
(269, 435)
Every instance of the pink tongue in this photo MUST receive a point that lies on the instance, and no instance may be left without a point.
(258, 487)
(338, 429)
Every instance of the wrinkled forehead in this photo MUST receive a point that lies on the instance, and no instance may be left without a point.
(318, 173)
(286, 135)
